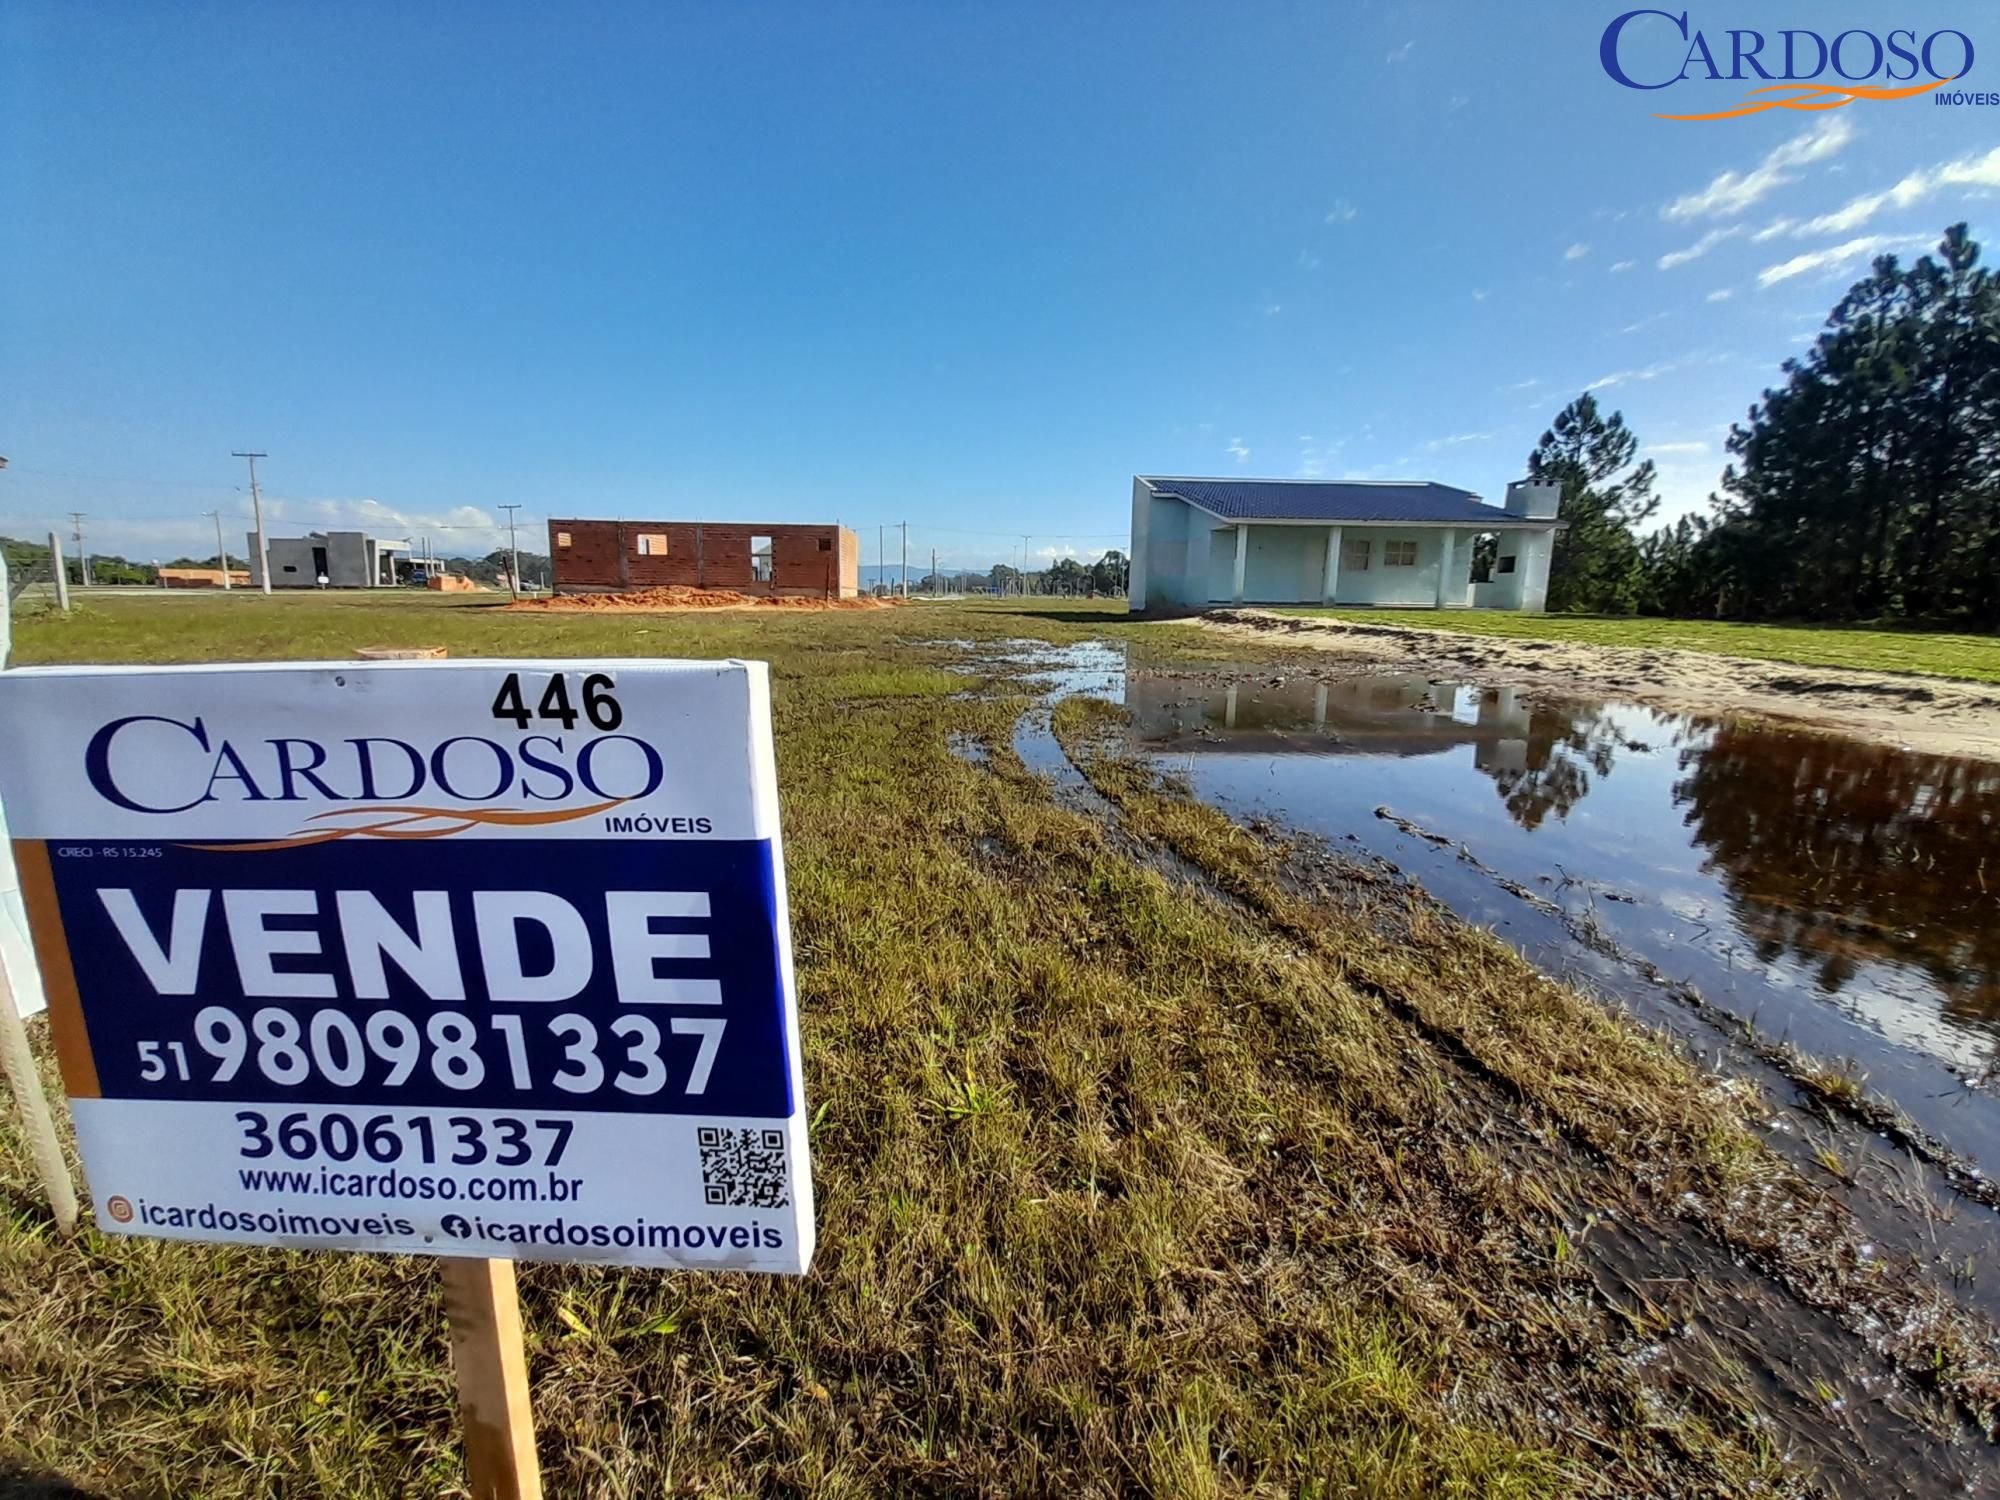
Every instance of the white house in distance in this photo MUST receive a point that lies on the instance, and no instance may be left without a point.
(1396, 543)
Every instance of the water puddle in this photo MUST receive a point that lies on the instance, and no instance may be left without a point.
(1845, 897)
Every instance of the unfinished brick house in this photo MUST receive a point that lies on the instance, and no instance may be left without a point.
(589, 557)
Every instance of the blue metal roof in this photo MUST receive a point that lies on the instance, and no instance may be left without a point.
(1336, 500)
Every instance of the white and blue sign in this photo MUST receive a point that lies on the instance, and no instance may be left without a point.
(476, 958)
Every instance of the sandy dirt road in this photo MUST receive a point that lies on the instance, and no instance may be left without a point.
(1935, 715)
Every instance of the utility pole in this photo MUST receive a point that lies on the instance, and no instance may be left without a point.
(221, 552)
(513, 554)
(82, 552)
(934, 577)
(881, 558)
(1024, 567)
(257, 510)
(906, 559)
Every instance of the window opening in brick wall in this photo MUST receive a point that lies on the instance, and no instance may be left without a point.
(760, 559)
(652, 544)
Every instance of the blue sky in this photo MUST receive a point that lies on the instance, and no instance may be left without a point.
(969, 266)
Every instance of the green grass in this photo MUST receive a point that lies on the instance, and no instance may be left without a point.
(1129, 1184)
(1878, 649)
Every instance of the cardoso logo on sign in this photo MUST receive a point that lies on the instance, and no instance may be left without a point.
(1799, 68)
(158, 764)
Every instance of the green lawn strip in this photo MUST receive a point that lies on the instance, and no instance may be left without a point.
(1975, 658)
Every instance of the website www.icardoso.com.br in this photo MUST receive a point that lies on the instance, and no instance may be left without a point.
(410, 1187)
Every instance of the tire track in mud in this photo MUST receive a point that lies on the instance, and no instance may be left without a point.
(1803, 1327)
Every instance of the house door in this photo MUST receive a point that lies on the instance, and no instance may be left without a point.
(319, 563)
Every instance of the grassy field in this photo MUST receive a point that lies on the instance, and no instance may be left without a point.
(1888, 649)
(1150, 1162)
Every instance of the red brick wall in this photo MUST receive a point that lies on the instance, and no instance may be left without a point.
(605, 555)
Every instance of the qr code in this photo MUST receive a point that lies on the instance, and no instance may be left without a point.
(743, 1168)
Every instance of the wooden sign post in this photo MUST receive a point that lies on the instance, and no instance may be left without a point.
(37, 1122)
(483, 1312)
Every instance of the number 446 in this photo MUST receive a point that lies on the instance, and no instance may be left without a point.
(598, 705)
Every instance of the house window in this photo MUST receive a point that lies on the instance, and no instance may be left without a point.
(760, 559)
(1507, 564)
(652, 544)
(1354, 556)
(562, 538)
(1399, 554)
(826, 544)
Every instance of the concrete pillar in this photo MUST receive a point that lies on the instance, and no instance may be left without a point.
(1319, 706)
(60, 570)
(1242, 561)
(1447, 557)
(1332, 564)
(1229, 708)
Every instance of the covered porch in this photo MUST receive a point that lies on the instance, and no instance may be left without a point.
(1392, 566)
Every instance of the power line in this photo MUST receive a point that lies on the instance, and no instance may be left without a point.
(257, 507)
(513, 554)
(221, 551)
(82, 552)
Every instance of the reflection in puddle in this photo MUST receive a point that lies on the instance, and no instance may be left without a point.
(1766, 867)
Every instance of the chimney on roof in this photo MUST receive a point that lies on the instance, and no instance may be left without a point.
(1533, 500)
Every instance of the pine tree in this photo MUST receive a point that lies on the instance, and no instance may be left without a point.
(1595, 567)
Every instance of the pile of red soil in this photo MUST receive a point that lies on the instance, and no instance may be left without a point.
(646, 601)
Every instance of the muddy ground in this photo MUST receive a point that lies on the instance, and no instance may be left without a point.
(1937, 716)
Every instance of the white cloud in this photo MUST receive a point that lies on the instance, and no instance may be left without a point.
(1342, 212)
(1646, 322)
(1478, 295)
(1456, 440)
(1236, 450)
(1402, 53)
(1274, 309)
(1732, 192)
(1305, 437)
(1625, 377)
(1308, 261)
(1577, 251)
(1670, 450)
(1699, 248)
(1967, 171)
(1720, 294)
(1459, 101)
(1623, 265)
(1522, 385)
(1772, 230)
(1837, 257)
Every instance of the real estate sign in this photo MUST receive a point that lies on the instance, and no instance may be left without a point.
(457, 958)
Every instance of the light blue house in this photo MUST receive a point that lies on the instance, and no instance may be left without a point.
(1396, 543)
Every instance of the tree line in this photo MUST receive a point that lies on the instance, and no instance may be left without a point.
(1866, 485)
